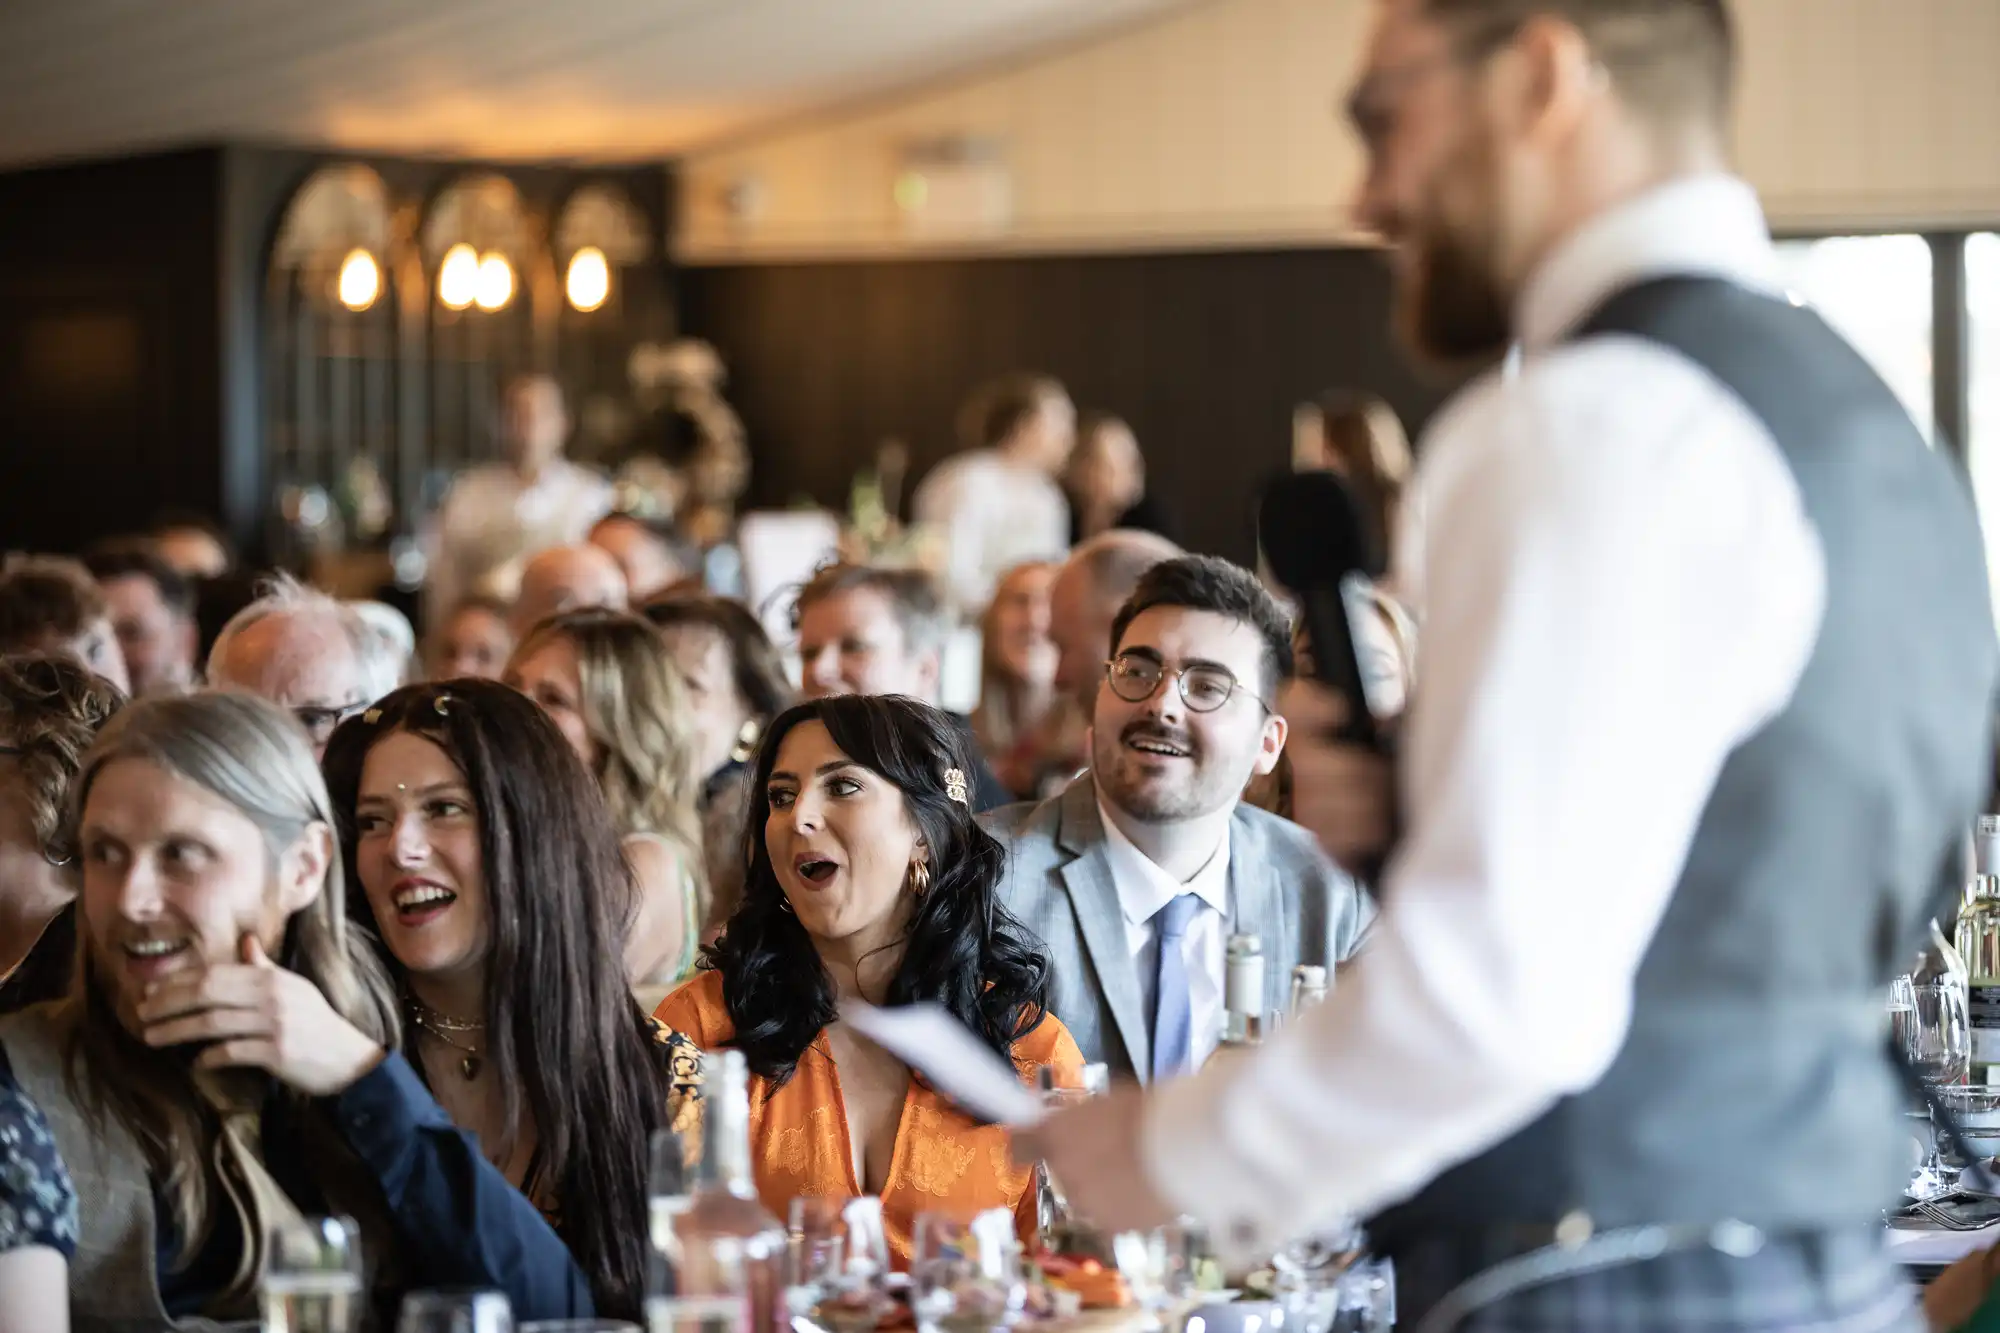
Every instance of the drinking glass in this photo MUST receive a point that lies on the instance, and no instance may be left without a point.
(455, 1312)
(1930, 1020)
(839, 1267)
(313, 1277)
(967, 1276)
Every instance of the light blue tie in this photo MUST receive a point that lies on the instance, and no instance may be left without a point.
(1173, 1010)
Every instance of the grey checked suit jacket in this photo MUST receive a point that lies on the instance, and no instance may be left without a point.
(1282, 888)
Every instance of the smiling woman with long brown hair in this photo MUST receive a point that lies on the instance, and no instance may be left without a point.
(492, 874)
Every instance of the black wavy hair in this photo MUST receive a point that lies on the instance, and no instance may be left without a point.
(570, 1047)
(963, 950)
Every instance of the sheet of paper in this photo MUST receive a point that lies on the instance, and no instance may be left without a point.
(928, 1039)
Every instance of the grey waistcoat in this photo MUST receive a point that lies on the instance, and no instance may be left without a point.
(114, 1282)
(1755, 1081)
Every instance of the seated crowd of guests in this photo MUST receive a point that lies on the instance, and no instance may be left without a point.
(443, 957)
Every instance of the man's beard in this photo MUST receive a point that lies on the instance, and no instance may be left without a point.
(1151, 801)
(1452, 309)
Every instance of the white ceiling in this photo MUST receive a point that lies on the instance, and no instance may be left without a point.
(489, 78)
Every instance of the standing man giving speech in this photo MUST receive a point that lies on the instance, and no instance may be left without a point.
(1702, 712)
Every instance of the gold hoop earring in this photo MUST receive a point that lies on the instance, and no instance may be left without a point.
(785, 905)
(746, 740)
(920, 877)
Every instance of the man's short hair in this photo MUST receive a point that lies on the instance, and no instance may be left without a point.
(1210, 583)
(281, 594)
(46, 600)
(135, 557)
(190, 520)
(912, 596)
(1668, 59)
(999, 410)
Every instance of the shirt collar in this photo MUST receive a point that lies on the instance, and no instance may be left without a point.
(1144, 888)
(1711, 225)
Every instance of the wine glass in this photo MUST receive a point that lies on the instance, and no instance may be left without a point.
(455, 1312)
(967, 1276)
(1932, 1027)
(313, 1279)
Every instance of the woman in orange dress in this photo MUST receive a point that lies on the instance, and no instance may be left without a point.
(869, 878)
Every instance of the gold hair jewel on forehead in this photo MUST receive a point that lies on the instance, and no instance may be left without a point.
(372, 716)
(954, 786)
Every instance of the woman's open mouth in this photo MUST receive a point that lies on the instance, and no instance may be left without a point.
(419, 902)
(815, 869)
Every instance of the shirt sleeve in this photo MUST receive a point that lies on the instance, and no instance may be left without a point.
(461, 1221)
(37, 1200)
(1622, 585)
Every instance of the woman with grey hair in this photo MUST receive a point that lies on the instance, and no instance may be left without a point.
(225, 1063)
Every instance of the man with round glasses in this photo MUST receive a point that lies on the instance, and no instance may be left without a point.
(1138, 873)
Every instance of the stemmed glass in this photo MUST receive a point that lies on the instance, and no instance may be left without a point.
(1931, 1026)
(967, 1276)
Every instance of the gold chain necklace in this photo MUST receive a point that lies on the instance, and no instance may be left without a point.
(442, 1026)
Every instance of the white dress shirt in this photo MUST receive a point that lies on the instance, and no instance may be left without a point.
(1617, 585)
(492, 521)
(993, 514)
(1143, 890)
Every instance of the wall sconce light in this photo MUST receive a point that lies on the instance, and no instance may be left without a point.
(360, 280)
(589, 281)
(458, 277)
(495, 287)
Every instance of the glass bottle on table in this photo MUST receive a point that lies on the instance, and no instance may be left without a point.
(1977, 939)
(727, 1252)
(1243, 1019)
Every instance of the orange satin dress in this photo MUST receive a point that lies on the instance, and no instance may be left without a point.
(943, 1159)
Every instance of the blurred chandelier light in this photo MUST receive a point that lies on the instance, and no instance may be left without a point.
(495, 286)
(360, 280)
(589, 281)
(458, 277)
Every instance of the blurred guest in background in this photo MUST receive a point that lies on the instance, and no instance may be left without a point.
(1106, 482)
(998, 504)
(309, 654)
(1366, 446)
(1089, 588)
(870, 880)
(605, 680)
(1137, 873)
(194, 546)
(474, 641)
(647, 552)
(735, 685)
(152, 613)
(498, 514)
(1017, 674)
(50, 709)
(395, 640)
(868, 630)
(490, 872)
(50, 604)
(567, 578)
(226, 1058)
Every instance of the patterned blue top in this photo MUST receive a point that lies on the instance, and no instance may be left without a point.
(37, 1201)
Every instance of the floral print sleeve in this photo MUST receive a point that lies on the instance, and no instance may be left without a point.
(37, 1201)
(683, 1060)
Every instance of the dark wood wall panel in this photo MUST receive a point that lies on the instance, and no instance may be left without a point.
(110, 394)
(1207, 354)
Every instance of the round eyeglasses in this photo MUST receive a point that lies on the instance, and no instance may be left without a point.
(1135, 677)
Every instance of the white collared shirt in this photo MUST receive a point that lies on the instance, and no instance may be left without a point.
(994, 514)
(1617, 584)
(1143, 889)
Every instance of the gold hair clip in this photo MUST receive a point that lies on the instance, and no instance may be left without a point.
(954, 786)
(442, 705)
(372, 716)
